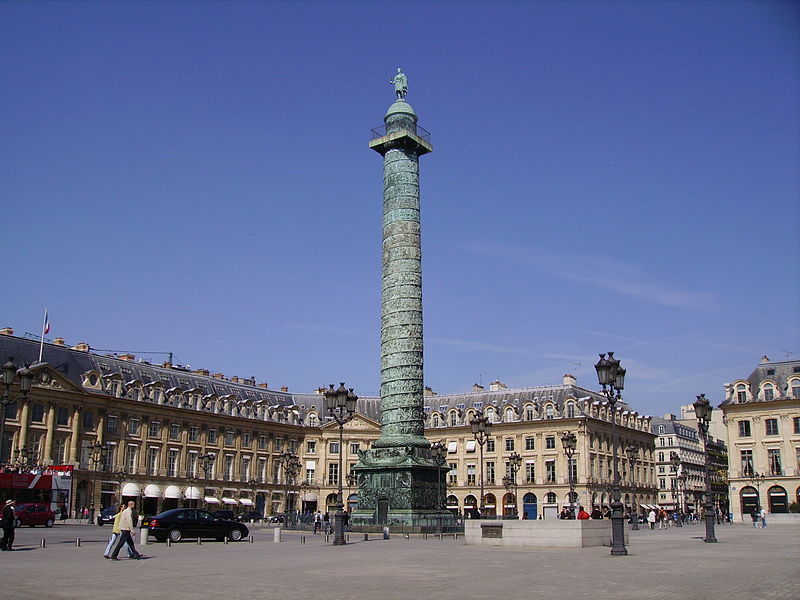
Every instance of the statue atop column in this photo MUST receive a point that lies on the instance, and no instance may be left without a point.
(400, 83)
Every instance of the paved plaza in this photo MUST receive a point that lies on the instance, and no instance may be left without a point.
(746, 563)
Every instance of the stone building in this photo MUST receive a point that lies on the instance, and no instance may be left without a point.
(158, 421)
(762, 415)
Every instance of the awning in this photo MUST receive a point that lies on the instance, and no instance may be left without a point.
(229, 501)
(173, 491)
(471, 445)
(309, 497)
(152, 491)
(246, 501)
(131, 489)
(452, 447)
(211, 500)
(192, 493)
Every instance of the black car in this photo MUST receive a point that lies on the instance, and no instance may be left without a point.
(252, 515)
(180, 523)
(227, 515)
(107, 515)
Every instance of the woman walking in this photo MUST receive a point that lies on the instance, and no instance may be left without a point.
(115, 533)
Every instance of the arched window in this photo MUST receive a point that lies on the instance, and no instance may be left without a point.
(453, 418)
(551, 497)
(741, 393)
(491, 415)
(452, 501)
(778, 500)
(570, 410)
(661, 429)
(549, 411)
(509, 415)
(529, 498)
(529, 412)
(312, 420)
(769, 392)
(794, 384)
(435, 420)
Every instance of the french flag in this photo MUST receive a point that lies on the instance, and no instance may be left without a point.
(46, 328)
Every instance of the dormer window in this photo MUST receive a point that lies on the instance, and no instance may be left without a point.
(570, 410)
(741, 393)
(795, 385)
(435, 420)
(453, 418)
(549, 412)
(769, 392)
(661, 429)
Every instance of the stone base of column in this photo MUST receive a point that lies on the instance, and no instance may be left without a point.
(402, 488)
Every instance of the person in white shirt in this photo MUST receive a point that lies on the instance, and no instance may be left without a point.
(126, 525)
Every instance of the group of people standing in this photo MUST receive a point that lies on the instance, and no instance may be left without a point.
(759, 515)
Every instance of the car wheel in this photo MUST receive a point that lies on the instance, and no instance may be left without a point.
(49, 523)
(235, 535)
(175, 535)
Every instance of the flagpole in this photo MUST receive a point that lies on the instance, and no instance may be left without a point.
(41, 340)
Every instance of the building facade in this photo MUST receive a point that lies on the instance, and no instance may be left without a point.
(762, 416)
(157, 423)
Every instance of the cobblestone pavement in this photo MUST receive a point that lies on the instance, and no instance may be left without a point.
(747, 563)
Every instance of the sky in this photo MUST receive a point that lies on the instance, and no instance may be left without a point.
(195, 178)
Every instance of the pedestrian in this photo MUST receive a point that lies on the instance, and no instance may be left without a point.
(115, 532)
(346, 521)
(582, 514)
(90, 517)
(763, 515)
(7, 522)
(317, 522)
(755, 515)
(651, 518)
(126, 525)
(596, 514)
(326, 519)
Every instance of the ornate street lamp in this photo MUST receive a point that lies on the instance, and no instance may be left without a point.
(206, 462)
(341, 404)
(703, 408)
(9, 370)
(756, 479)
(291, 467)
(481, 427)
(510, 481)
(439, 455)
(253, 483)
(633, 455)
(675, 462)
(611, 377)
(119, 477)
(682, 493)
(570, 443)
(98, 452)
(352, 481)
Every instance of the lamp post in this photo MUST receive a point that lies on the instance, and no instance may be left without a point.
(756, 479)
(98, 452)
(633, 455)
(703, 408)
(675, 461)
(9, 370)
(191, 481)
(439, 454)
(352, 480)
(206, 462)
(611, 376)
(570, 442)
(291, 467)
(510, 481)
(481, 427)
(119, 477)
(341, 404)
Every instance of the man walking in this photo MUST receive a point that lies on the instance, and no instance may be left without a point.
(126, 525)
(763, 515)
(7, 522)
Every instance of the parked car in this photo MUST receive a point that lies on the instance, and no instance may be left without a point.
(279, 518)
(180, 523)
(106, 516)
(35, 513)
(224, 514)
(252, 515)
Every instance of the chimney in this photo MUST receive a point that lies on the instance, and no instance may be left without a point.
(218, 375)
(81, 347)
(59, 341)
(263, 385)
(201, 372)
(570, 379)
(669, 417)
(167, 364)
(476, 387)
(235, 379)
(127, 357)
(429, 392)
(284, 388)
(764, 359)
(497, 385)
(7, 331)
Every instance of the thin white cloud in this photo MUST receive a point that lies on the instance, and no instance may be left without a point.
(481, 346)
(627, 279)
(321, 329)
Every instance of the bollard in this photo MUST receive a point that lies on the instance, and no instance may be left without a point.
(408, 537)
(144, 533)
(251, 539)
(366, 537)
(302, 539)
(441, 536)
(199, 542)
(326, 538)
(455, 536)
(43, 543)
(424, 536)
(225, 540)
(386, 533)
(276, 534)
(78, 542)
(169, 542)
(347, 538)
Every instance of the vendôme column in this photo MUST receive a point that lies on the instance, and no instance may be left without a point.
(399, 482)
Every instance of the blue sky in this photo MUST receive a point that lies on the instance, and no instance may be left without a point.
(195, 178)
